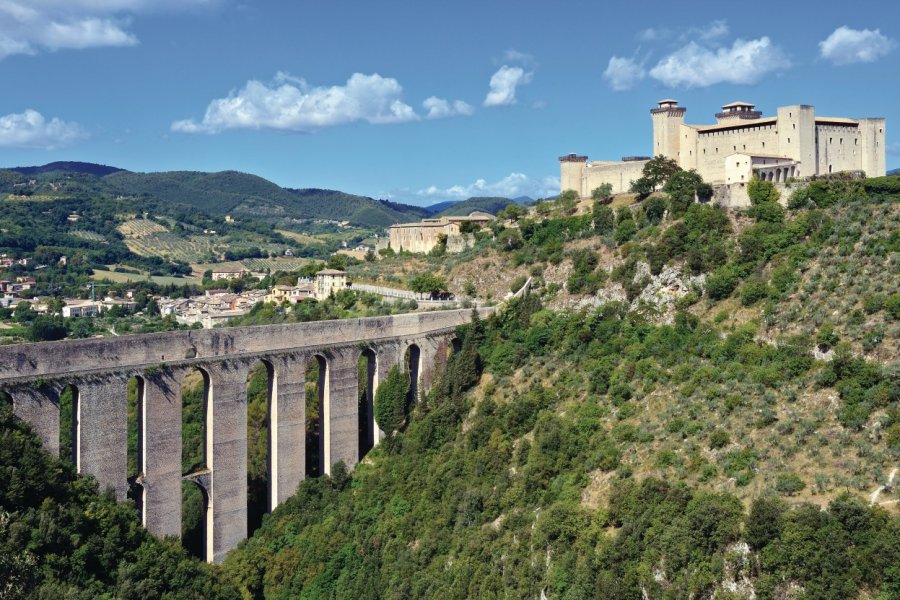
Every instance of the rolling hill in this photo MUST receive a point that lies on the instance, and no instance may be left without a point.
(218, 194)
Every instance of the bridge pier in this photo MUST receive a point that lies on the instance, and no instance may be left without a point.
(38, 405)
(287, 428)
(101, 432)
(159, 451)
(226, 458)
(341, 418)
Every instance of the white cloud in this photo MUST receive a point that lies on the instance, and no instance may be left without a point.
(290, 104)
(745, 62)
(438, 108)
(514, 56)
(846, 46)
(511, 186)
(623, 73)
(30, 129)
(504, 83)
(30, 26)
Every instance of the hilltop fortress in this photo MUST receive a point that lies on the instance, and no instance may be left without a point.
(794, 144)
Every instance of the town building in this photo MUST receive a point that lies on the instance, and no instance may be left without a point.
(328, 282)
(795, 143)
(228, 273)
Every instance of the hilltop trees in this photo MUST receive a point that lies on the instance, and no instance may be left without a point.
(655, 174)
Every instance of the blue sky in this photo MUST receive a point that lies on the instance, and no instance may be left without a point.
(418, 102)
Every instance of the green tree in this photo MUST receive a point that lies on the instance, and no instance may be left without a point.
(656, 174)
(391, 407)
(46, 329)
(602, 192)
(604, 219)
(428, 283)
(684, 188)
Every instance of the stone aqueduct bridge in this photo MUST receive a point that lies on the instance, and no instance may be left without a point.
(98, 370)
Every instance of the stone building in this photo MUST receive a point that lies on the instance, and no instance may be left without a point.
(422, 237)
(329, 281)
(793, 144)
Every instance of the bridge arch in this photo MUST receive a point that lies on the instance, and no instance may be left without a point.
(6, 399)
(262, 431)
(198, 521)
(136, 398)
(412, 365)
(318, 434)
(367, 384)
(69, 424)
(196, 388)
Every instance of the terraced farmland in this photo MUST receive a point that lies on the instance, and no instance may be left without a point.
(90, 236)
(140, 228)
(175, 247)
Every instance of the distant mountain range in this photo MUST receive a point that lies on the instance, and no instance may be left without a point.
(894, 172)
(234, 193)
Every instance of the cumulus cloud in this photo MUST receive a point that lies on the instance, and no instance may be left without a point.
(745, 62)
(511, 186)
(30, 26)
(504, 83)
(290, 104)
(438, 108)
(30, 129)
(623, 73)
(847, 46)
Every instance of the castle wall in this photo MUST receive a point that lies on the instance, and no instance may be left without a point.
(838, 148)
(797, 136)
(618, 174)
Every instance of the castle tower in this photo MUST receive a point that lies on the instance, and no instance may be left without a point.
(872, 158)
(797, 137)
(571, 173)
(667, 120)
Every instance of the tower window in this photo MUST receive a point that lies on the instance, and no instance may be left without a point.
(789, 140)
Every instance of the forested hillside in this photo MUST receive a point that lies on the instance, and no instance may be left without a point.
(60, 539)
(215, 194)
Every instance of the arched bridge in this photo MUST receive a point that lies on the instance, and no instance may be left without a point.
(98, 371)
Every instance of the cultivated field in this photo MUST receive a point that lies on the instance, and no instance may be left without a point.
(122, 277)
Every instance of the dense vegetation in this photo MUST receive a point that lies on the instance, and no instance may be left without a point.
(60, 539)
(494, 499)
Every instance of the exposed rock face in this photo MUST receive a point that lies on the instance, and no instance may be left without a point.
(662, 292)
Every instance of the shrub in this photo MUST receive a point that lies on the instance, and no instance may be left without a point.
(603, 219)
(625, 230)
(788, 484)
(753, 291)
(721, 283)
(762, 192)
(718, 439)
